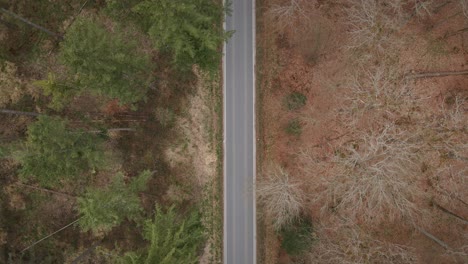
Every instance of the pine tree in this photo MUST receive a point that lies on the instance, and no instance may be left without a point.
(60, 92)
(52, 152)
(172, 239)
(121, 11)
(103, 209)
(106, 63)
(190, 30)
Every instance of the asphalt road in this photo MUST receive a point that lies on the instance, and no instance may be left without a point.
(239, 136)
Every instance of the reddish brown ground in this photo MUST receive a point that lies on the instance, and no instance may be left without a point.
(291, 61)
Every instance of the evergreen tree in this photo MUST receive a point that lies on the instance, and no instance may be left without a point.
(121, 11)
(298, 236)
(172, 239)
(106, 63)
(60, 92)
(103, 209)
(191, 30)
(52, 152)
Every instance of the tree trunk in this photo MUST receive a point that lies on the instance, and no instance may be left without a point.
(128, 129)
(45, 190)
(43, 29)
(113, 130)
(13, 112)
(460, 31)
(433, 238)
(46, 237)
(434, 74)
(443, 209)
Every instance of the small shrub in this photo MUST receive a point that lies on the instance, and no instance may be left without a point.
(294, 127)
(295, 101)
(298, 237)
(61, 94)
(3, 152)
(3, 237)
(12, 87)
(177, 194)
(165, 116)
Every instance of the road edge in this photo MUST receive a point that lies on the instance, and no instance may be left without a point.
(225, 4)
(254, 138)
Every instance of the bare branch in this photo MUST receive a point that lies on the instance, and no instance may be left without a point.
(283, 199)
(348, 244)
(46, 237)
(443, 209)
(375, 177)
(13, 112)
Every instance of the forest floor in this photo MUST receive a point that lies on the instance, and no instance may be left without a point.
(177, 136)
(313, 48)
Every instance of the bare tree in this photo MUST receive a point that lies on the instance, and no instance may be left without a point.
(285, 15)
(375, 177)
(449, 183)
(420, 7)
(378, 94)
(282, 197)
(447, 141)
(348, 244)
(371, 24)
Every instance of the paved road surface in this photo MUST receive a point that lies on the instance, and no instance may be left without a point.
(239, 145)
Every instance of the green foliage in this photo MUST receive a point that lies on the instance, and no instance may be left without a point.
(24, 43)
(172, 239)
(139, 183)
(52, 153)
(294, 127)
(297, 237)
(106, 63)
(8, 149)
(190, 29)
(295, 101)
(103, 209)
(60, 92)
(121, 11)
(3, 152)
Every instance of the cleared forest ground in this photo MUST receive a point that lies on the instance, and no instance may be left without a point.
(363, 130)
